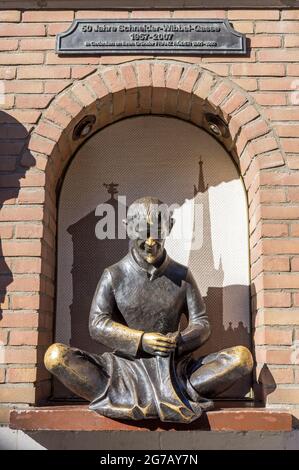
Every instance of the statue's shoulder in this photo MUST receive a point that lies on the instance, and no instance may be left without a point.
(180, 271)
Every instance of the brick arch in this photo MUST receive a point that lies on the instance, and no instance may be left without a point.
(173, 88)
(163, 87)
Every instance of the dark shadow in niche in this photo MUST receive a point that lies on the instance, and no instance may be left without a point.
(223, 336)
(91, 256)
(15, 160)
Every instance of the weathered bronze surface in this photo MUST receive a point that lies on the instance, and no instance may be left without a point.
(136, 311)
(167, 36)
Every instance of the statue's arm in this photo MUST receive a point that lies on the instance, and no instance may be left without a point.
(101, 326)
(198, 329)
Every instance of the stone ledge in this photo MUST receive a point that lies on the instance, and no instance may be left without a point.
(80, 418)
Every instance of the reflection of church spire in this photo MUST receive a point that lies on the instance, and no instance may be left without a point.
(201, 182)
(111, 188)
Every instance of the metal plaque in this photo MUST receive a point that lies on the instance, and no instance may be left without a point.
(171, 37)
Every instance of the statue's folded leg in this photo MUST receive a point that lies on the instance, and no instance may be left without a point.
(218, 371)
(75, 370)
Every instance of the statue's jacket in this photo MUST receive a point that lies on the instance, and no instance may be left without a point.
(129, 301)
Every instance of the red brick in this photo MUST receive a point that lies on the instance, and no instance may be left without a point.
(25, 302)
(241, 118)
(294, 230)
(219, 93)
(278, 55)
(284, 395)
(19, 355)
(282, 113)
(44, 71)
(293, 70)
(37, 44)
(199, 14)
(143, 74)
(8, 44)
(55, 28)
(282, 376)
(24, 86)
(274, 356)
(282, 316)
(19, 320)
(279, 179)
(279, 212)
(277, 27)
(3, 337)
(96, 14)
(293, 194)
(188, 80)
(29, 231)
(274, 230)
(32, 101)
(21, 213)
(290, 145)
(47, 16)
(26, 265)
(290, 15)
(249, 84)
(277, 84)
(2, 375)
(21, 58)
(25, 116)
(7, 73)
(234, 102)
(6, 231)
(281, 281)
(15, 375)
(265, 41)
(81, 71)
(31, 196)
(274, 336)
(23, 338)
(4, 414)
(276, 263)
(220, 69)
(150, 14)
(295, 264)
(258, 70)
(18, 248)
(245, 27)
(253, 14)
(10, 16)
(277, 299)
(56, 86)
(83, 94)
(21, 284)
(287, 129)
(272, 195)
(270, 99)
(22, 29)
(291, 40)
(282, 246)
(17, 394)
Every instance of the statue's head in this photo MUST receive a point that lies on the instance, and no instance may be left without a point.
(149, 222)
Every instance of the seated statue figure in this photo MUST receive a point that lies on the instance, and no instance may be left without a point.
(136, 311)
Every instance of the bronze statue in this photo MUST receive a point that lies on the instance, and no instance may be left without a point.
(136, 311)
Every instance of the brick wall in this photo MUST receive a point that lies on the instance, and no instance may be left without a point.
(43, 96)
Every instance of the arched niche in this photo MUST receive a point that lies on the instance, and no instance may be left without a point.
(183, 165)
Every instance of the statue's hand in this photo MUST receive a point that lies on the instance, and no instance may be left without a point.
(157, 344)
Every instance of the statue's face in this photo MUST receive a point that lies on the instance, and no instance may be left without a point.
(148, 226)
(149, 248)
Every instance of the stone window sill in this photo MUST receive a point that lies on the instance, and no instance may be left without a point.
(80, 418)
